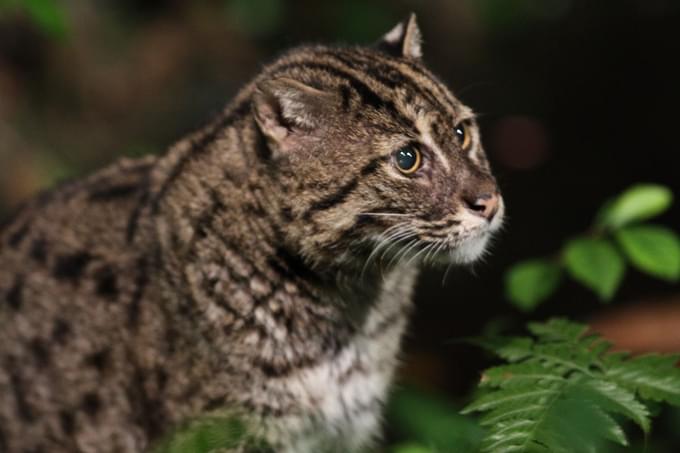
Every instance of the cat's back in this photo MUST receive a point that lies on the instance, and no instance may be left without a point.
(69, 279)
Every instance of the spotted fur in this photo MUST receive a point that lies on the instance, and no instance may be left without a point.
(264, 264)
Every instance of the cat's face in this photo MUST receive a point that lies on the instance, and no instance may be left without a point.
(374, 153)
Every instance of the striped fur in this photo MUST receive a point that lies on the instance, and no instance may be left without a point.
(264, 264)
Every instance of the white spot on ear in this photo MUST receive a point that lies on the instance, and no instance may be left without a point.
(394, 35)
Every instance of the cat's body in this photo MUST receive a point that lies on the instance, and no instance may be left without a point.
(265, 264)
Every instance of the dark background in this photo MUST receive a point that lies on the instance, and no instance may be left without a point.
(578, 100)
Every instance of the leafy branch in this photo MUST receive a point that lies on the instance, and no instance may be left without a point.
(563, 391)
(598, 259)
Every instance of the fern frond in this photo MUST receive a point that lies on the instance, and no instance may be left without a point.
(654, 377)
(560, 390)
(558, 329)
(519, 374)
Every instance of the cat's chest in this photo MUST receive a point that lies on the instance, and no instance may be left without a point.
(338, 402)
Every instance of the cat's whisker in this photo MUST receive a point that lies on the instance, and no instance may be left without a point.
(394, 244)
(393, 231)
(426, 249)
(404, 252)
(387, 240)
(442, 245)
(399, 252)
(385, 214)
(397, 214)
(430, 249)
(429, 256)
(398, 235)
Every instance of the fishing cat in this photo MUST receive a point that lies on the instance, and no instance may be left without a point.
(265, 263)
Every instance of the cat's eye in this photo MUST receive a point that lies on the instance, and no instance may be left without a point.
(463, 134)
(408, 159)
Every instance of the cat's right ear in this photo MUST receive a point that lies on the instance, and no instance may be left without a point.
(404, 40)
(284, 109)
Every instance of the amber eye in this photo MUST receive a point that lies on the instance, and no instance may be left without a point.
(408, 159)
(463, 135)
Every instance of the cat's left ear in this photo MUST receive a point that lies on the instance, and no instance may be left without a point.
(285, 109)
(404, 40)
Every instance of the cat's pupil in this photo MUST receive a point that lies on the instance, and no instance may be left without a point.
(407, 159)
(460, 132)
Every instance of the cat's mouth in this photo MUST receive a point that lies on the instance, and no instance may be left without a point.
(465, 243)
(459, 247)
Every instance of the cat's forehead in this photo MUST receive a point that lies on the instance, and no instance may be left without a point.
(411, 81)
(374, 75)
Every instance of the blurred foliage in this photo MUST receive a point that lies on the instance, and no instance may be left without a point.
(595, 263)
(47, 15)
(211, 434)
(652, 249)
(640, 202)
(596, 259)
(412, 448)
(431, 424)
(532, 281)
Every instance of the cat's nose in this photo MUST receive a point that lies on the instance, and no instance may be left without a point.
(484, 205)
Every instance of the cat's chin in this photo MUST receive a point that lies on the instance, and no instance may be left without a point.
(466, 252)
(469, 250)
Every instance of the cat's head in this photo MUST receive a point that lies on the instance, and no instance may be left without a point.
(375, 155)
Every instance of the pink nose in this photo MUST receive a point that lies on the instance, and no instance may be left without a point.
(484, 206)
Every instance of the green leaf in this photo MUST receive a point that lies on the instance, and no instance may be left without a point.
(563, 355)
(614, 398)
(639, 202)
(530, 282)
(596, 264)
(513, 349)
(519, 374)
(574, 424)
(652, 249)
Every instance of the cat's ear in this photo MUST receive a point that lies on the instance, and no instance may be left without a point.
(284, 108)
(404, 40)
